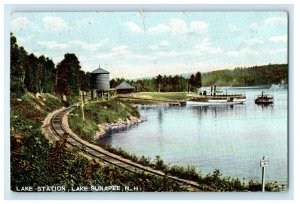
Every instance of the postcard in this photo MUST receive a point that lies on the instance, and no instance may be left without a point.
(149, 101)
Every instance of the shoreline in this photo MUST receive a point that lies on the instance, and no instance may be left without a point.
(103, 128)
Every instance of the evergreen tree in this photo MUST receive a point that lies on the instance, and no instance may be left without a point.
(73, 73)
(192, 82)
(158, 82)
(31, 80)
(68, 76)
(198, 80)
(49, 78)
(18, 56)
(61, 86)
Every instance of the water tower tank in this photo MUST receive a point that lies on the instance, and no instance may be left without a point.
(100, 79)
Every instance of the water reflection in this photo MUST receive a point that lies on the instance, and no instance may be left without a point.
(222, 137)
(265, 106)
(109, 132)
(202, 111)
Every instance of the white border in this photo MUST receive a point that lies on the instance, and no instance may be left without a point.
(136, 7)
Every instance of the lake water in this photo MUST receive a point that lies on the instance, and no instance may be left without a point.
(232, 139)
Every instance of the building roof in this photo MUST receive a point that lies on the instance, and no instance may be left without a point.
(100, 71)
(124, 85)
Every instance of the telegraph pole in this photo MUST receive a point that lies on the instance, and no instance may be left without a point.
(263, 164)
(82, 104)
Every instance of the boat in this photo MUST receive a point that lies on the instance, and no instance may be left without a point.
(214, 98)
(264, 99)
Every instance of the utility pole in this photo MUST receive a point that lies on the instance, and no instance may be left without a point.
(82, 104)
(263, 164)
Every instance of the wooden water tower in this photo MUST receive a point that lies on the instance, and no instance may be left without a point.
(99, 82)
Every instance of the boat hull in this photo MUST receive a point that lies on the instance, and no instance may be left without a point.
(215, 102)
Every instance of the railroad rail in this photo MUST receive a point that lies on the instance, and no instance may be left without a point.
(105, 156)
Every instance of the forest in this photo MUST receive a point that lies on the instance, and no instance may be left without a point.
(39, 74)
(264, 75)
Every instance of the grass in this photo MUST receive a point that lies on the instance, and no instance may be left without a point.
(28, 111)
(163, 95)
(139, 101)
(97, 113)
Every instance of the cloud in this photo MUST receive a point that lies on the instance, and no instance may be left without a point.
(90, 46)
(205, 46)
(179, 27)
(272, 21)
(133, 27)
(254, 27)
(153, 47)
(275, 21)
(20, 23)
(162, 43)
(278, 50)
(234, 29)
(196, 26)
(122, 51)
(55, 24)
(160, 28)
(279, 38)
(53, 45)
(243, 52)
(254, 42)
(171, 53)
(83, 45)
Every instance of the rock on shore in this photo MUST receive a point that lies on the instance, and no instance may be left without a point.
(119, 124)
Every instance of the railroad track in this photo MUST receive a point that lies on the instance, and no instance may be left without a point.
(107, 157)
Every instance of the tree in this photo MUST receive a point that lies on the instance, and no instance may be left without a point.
(61, 86)
(68, 76)
(158, 81)
(198, 80)
(87, 82)
(73, 73)
(18, 56)
(31, 80)
(191, 82)
(113, 83)
(49, 78)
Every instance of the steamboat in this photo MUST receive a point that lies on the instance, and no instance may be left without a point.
(215, 98)
(264, 99)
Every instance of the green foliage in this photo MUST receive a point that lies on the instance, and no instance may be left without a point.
(188, 172)
(28, 111)
(85, 129)
(257, 186)
(17, 68)
(159, 164)
(41, 164)
(109, 111)
(215, 182)
(68, 74)
(28, 72)
(39, 74)
(253, 76)
(162, 95)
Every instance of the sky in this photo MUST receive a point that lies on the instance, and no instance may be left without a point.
(136, 45)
